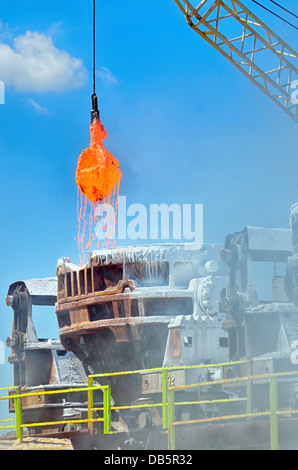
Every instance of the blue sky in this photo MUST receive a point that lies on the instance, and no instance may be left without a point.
(185, 126)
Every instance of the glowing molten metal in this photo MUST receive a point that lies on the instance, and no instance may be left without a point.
(97, 170)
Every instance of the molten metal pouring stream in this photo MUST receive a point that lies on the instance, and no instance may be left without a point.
(98, 175)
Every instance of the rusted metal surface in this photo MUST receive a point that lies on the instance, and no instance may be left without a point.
(118, 312)
(152, 382)
(40, 364)
(154, 306)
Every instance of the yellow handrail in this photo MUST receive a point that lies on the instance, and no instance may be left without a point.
(273, 413)
(18, 408)
(168, 401)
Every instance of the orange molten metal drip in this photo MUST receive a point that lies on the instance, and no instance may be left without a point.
(98, 178)
(88, 239)
(97, 170)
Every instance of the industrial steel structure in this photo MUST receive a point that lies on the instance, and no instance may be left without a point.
(41, 364)
(249, 44)
(174, 305)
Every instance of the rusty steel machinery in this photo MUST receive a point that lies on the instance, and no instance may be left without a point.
(156, 306)
(42, 364)
(142, 307)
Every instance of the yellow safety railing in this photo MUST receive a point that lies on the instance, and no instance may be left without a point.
(165, 371)
(167, 404)
(19, 426)
(17, 408)
(272, 413)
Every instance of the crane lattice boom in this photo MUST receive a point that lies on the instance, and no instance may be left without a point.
(250, 45)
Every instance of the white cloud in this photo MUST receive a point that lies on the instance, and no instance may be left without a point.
(38, 108)
(34, 64)
(107, 76)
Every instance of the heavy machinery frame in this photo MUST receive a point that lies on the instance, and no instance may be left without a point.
(41, 364)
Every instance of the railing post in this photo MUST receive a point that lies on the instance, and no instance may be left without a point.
(90, 405)
(18, 413)
(273, 415)
(171, 418)
(164, 376)
(107, 410)
(249, 391)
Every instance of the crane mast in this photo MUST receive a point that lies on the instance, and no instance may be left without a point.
(250, 45)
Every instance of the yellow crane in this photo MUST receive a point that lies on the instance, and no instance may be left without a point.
(250, 45)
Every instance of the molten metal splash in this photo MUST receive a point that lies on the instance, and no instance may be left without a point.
(87, 212)
(98, 178)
